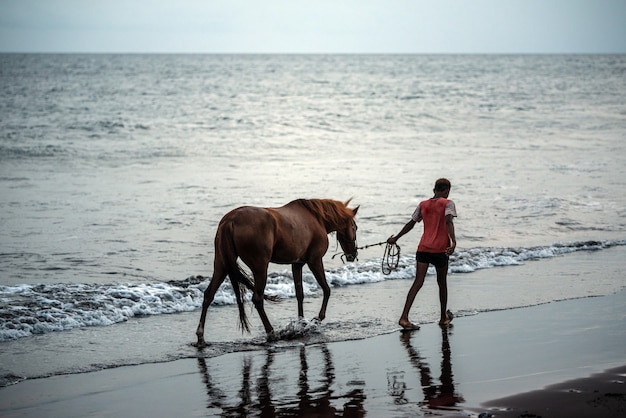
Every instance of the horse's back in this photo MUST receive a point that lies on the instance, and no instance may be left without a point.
(291, 215)
(249, 219)
(286, 234)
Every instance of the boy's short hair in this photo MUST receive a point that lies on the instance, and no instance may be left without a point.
(442, 185)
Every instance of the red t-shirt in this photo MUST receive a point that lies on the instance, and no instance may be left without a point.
(433, 212)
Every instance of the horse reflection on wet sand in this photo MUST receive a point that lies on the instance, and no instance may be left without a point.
(321, 400)
(295, 234)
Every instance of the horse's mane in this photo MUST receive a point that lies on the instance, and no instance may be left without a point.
(332, 213)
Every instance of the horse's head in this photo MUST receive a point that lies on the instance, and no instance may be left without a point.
(347, 237)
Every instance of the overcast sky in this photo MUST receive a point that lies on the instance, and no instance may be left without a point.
(310, 26)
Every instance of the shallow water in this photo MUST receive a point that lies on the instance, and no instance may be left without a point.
(354, 312)
(422, 373)
(115, 170)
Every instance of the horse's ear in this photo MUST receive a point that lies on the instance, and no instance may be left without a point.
(355, 210)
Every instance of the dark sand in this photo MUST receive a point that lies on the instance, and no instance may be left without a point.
(430, 372)
(602, 395)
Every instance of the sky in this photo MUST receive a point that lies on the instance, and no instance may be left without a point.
(314, 26)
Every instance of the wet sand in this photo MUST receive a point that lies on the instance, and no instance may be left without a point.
(457, 371)
(601, 395)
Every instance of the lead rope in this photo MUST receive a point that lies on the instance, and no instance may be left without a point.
(391, 256)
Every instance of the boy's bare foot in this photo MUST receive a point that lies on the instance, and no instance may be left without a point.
(408, 325)
(448, 318)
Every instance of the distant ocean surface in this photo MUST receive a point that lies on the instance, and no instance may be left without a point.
(116, 169)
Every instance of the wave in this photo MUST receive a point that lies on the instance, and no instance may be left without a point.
(27, 310)
(37, 151)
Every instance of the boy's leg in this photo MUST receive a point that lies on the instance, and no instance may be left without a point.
(420, 275)
(442, 281)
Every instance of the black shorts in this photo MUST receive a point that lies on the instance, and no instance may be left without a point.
(436, 259)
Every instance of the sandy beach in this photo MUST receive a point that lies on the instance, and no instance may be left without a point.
(552, 360)
(599, 395)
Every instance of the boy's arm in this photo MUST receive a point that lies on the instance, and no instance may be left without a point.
(406, 228)
(450, 226)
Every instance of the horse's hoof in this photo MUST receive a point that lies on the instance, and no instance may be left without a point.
(272, 336)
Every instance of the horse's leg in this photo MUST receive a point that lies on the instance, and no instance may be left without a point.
(218, 278)
(317, 268)
(260, 279)
(297, 281)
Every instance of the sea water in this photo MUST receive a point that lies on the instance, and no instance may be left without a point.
(116, 169)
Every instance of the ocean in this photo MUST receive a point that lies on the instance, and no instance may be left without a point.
(116, 169)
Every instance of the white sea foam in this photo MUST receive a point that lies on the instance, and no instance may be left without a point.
(36, 309)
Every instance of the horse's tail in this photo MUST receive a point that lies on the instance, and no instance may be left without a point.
(239, 279)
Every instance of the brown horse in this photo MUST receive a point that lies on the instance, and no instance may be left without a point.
(295, 234)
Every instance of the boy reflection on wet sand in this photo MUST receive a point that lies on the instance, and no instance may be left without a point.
(436, 396)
